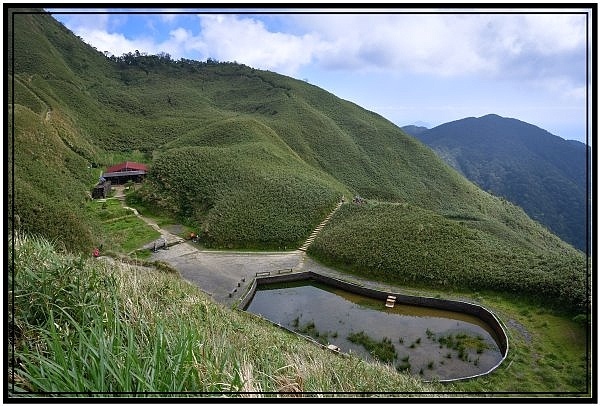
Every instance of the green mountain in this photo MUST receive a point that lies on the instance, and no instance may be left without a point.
(542, 173)
(253, 159)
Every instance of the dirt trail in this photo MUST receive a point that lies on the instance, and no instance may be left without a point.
(318, 229)
(165, 236)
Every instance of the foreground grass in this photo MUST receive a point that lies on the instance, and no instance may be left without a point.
(548, 350)
(88, 326)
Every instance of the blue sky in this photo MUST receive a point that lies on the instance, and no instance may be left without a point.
(411, 67)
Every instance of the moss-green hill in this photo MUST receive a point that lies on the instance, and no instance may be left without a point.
(250, 158)
(251, 195)
(406, 243)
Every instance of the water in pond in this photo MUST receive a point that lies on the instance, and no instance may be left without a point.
(430, 342)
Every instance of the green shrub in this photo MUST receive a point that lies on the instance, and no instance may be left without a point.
(247, 196)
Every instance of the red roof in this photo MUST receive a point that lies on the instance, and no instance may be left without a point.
(127, 166)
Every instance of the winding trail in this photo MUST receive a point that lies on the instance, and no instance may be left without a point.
(166, 237)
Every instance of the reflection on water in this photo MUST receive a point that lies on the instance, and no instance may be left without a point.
(429, 342)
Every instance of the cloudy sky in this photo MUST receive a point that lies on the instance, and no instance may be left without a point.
(423, 67)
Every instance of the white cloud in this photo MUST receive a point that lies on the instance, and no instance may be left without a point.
(562, 86)
(85, 22)
(441, 44)
(553, 33)
(498, 63)
(247, 40)
(182, 44)
(445, 45)
(168, 18)
(116, 44)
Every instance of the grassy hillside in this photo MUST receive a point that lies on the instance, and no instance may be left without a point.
(84, 325)
(417, 247)
(88, 325)
(250, 158)
(246, 195)
(49, 180)
(52, 152)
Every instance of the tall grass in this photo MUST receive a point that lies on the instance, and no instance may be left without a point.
(85, 326)
(252, 158)
(251, 195)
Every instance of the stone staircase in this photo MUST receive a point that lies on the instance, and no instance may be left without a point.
(318, 229)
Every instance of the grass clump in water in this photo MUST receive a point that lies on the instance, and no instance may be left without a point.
(311, 330)
(464, 344)
(383, 350)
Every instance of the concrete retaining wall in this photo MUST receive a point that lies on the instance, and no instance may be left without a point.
(453, 305)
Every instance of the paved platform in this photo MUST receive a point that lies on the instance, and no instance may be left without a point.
(218, 273)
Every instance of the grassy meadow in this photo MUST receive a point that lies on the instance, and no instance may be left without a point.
(86, 325)
(410, 245)
(124, 232)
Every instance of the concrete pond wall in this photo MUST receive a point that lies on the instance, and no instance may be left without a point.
(444, 304)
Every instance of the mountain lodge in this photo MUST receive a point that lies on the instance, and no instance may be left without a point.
(124, 172)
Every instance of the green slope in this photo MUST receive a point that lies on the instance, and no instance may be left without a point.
(246, 195)
(542, 173)
(49, 181)
(418, 247)
(84, 325)
(250, 158)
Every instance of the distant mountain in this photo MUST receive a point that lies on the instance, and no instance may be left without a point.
(414, 130)
(542, 173)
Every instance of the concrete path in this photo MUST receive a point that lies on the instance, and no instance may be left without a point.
(226, 275)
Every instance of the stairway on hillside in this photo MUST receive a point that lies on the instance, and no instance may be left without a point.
(316, 231)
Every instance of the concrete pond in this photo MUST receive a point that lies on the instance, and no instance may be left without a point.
(432, 342)
(432, 338)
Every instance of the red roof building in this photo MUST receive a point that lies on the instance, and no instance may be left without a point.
(127, 166)
(125, 171)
